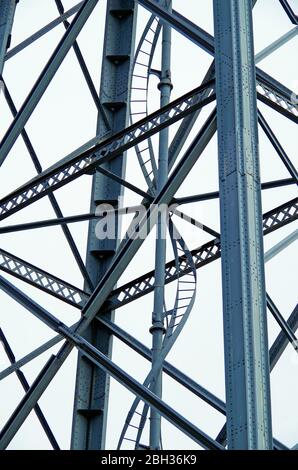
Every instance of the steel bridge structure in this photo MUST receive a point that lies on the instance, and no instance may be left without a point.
(234, 90)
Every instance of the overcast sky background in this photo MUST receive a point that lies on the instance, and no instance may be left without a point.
(65, 119)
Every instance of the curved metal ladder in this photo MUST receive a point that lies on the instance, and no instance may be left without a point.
(175, 320)
(139, 95)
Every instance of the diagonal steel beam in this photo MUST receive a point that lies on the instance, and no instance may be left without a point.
(79, 163)
(45, 78)
(85, 70)
(25, 385)
(277, 146)
(289, 11)
(109, 279)
(104, 363)
(41, 32)
(52, 198)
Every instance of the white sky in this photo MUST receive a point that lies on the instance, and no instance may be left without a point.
(66, 118)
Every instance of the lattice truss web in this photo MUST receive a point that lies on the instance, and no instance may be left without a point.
(50, 62)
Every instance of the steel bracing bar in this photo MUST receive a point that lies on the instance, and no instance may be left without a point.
(276, 351)
(41, 32)
(281, 342)
(70, 168)
(85, 70)
(174, 373)
(76, 218)
(277, 146)
(45, 78)
(243, 280)
(285, 327)
(104, 363)
(53, 200)
(276, 44)
(281, 245)
(215, 194)
(26, 387)
(126, 252)
(168, 368)
(270, 91)
(289, 11)
(144, 284)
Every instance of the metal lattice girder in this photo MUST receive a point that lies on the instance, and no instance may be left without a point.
(243, 280)
(71, 168)
(41, 279)
(7, 11)
(270, 91)
(273, 220)
(103, 362)
(45, 78)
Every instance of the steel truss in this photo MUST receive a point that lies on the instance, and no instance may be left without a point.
(124, 123)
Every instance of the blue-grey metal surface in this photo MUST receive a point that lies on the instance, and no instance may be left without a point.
(243, 280)
(7, 11)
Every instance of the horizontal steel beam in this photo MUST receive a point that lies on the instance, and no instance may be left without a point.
(215, 194)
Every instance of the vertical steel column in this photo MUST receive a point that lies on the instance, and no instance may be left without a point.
(157, 328)
(92, 384)
(244, 303)
(7, 10)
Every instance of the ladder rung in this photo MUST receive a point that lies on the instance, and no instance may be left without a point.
(143, 52)
(140, 76)
(143, 65)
